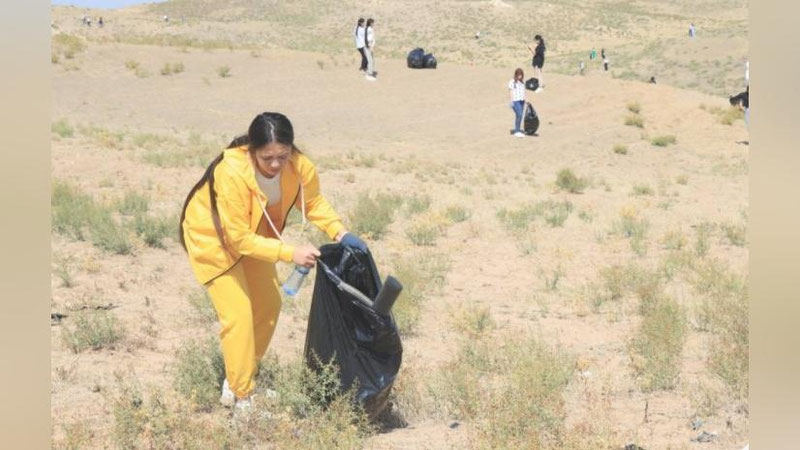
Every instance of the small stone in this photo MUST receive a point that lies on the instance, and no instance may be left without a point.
(454, 425)
(705, 436)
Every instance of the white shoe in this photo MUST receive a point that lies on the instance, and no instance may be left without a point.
(370, 78)
(519, 134)
(243, 405)
(227, 398)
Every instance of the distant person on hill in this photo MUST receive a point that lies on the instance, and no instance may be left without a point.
(692, 30)
(232, 227)
(516, 88)
(603, 53)
(368, 50)
(100, 22)
(653, 80)
(605, 64)
(360, 42)
(581, 67)
(592, 54)
(538, 59)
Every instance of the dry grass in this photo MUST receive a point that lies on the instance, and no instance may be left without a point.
(512, 395)
(664, 140)
(92, 330)
(657, 345)
(568, 181)
(421, 276)
(634, 120)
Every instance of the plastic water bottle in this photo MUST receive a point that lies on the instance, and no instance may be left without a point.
(295, 280)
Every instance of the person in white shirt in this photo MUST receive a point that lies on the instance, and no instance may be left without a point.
(516, 88)
(360, 40)
(368, 49)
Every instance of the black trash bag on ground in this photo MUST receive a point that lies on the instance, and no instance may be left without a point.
(415, 58)
(429, 61)
(364, 345)
(532, 84)
(531, 120)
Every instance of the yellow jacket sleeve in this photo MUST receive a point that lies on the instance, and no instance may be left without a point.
(318, 210)
(234, 205)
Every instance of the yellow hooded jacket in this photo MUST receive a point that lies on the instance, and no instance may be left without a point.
(239, 201)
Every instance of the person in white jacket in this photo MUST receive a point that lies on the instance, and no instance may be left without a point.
(368, 49)
(358, 34)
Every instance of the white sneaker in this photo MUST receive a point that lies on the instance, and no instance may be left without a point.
(370, 78)
(227, 398)
(539, 89)
(519, 134)
(243, 405)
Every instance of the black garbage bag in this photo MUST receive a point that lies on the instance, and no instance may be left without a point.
(429, 61)
(532, 84)
(415, 58)
(531, 120)
(364, 345)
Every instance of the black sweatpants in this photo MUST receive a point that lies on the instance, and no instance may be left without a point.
(363, 59)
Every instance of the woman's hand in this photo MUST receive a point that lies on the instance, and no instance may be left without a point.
(305, 255)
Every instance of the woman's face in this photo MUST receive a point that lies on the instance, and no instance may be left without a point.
(271, 158)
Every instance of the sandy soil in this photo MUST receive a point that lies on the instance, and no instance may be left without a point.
(453, 124)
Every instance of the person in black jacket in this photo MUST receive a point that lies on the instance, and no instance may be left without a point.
(538, 59)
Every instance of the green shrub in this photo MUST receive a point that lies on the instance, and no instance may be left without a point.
(457, 214)
(67, 44)
(417, 204)
(633, 228)
(663, 141)
(512, 395)
(621, 149)
(65, 269)
(642, 189)
(569, 182)
(133, 203)
(657, 346)
(736, 234)
(634, 120)
(94, 329)
(423, 234)
(153, 230)
(199, 372)
(76, 215)
(224, 72)
(62, 128)
(372, 216)
(634, 107)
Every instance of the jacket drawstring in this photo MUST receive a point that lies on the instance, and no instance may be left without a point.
(302, 211)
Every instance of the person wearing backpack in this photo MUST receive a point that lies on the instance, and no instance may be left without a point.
(516, 88)
(231, 226)
(538, 59)
(358, 34)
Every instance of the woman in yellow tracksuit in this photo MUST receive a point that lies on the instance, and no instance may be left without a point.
(230, 227)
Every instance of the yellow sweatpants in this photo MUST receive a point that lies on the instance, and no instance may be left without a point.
(248, 303)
